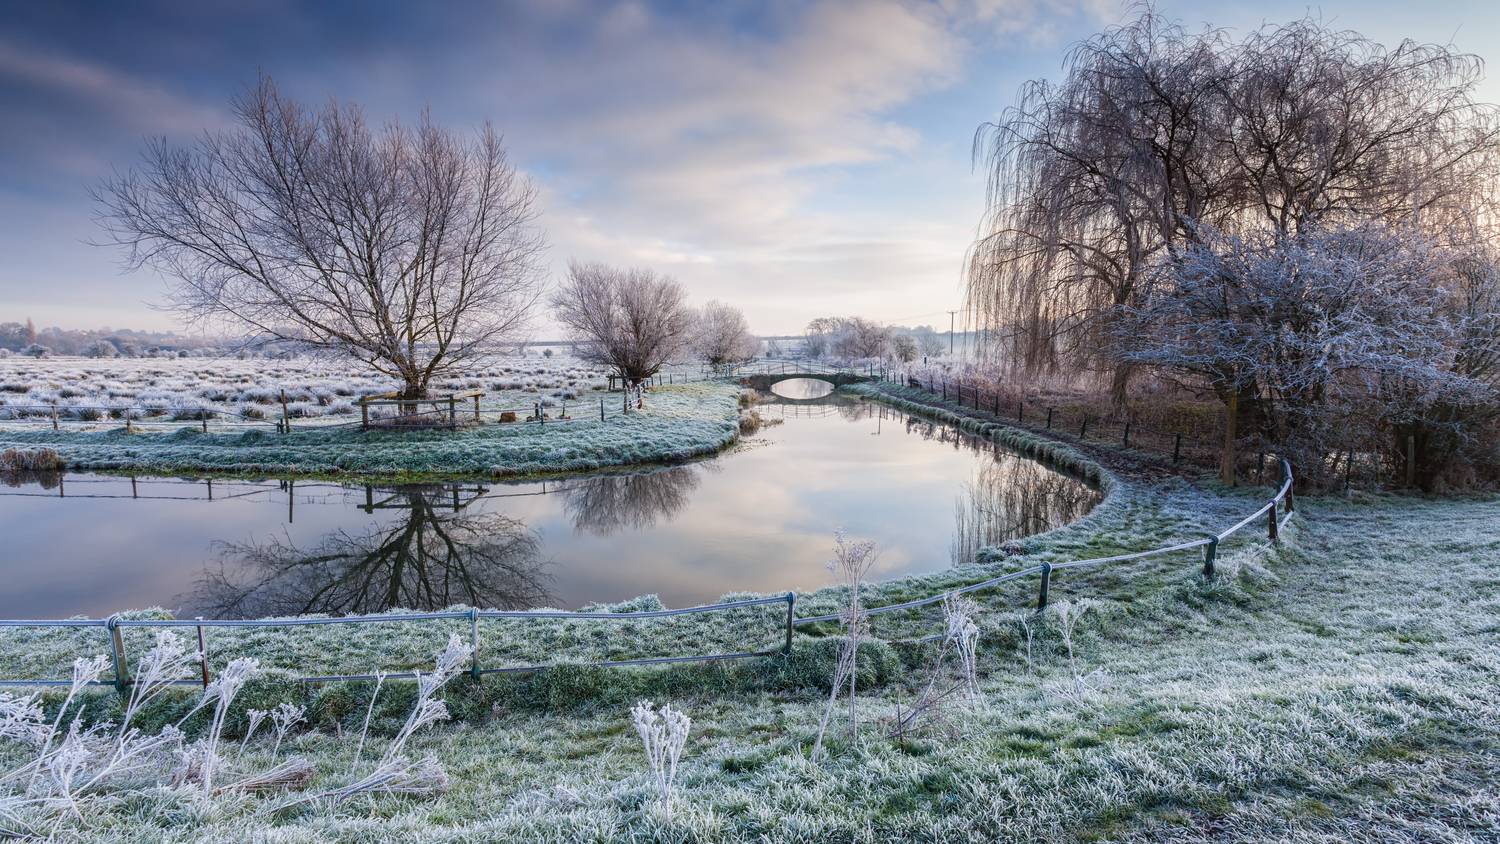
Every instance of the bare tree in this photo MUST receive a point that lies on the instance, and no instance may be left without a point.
(722, 337)
(412, 250)
(1089, 179)
(631, 320)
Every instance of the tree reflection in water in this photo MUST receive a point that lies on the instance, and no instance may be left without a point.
(1007, 497)
(437, 555)
(608, 504)
(1010, 497)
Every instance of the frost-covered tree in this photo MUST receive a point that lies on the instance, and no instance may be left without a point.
(411, 249)
(101, 349)
(722, 336)
(1155, 134)
(904, 347)
(1294, 331)
(631, 320)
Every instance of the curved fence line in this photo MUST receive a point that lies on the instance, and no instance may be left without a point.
(115, 624)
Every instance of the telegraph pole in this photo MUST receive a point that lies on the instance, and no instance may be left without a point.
(950, 332)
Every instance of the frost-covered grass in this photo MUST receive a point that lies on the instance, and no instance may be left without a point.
(679, 423)
(105, 391)
(1334, 691)
(1339, 688)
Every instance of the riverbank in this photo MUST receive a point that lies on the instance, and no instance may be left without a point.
(679, 423)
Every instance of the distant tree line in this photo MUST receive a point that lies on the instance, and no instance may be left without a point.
(25, 338)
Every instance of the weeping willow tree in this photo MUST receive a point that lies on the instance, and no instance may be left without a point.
(1090, 179)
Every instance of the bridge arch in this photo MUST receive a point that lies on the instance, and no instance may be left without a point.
(764, 381)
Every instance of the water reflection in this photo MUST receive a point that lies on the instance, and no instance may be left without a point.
(802, 388)
(435, 555)
(757, 519)
(609, 504)
(1010, 498)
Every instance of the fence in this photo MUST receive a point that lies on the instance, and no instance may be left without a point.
(1276, 519)
(446, 410)
(114, 625)
(1180, 445)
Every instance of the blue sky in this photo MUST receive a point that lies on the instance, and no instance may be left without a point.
(794, 158)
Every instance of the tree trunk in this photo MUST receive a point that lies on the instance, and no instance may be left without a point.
(411, 390)
(1227, 458)
(1119, 387)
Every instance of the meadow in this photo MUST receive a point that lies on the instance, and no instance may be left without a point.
(250, 389)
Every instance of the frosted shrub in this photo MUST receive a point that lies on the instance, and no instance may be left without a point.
(255, 717)
(1068, 614)
(167, 660)
(222, 691)
(1023, 620)
(851, 562)
(961, 639)
(427, 710)
(283, 718)
(664, 734)
(22, 719)
(29, 460)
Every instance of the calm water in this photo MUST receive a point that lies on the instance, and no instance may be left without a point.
(758, 518)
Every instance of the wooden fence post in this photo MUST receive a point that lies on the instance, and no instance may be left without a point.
(1210, 553)
(1046, 584)
(286, 417)
(1049, 417)
(54, 417)
(1083, 429)
(1125, 441)
(474, 643)
(477, 419)
(203, 653)
(791, 605)
(117, 650)
(1271, 526)
(1177, 448)
(364, 413)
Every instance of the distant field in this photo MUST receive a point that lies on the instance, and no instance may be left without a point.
(167, 389)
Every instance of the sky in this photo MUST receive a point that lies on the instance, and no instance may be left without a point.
(796, 159)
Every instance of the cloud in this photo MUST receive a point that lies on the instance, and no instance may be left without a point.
(67, 103)
(772, 155)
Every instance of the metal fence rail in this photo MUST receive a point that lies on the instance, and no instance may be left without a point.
(114, 624)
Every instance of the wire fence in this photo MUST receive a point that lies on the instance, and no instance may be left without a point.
(440, 411)
(1181, 446)
(1276, 512)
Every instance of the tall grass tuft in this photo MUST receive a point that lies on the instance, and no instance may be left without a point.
(851, 562)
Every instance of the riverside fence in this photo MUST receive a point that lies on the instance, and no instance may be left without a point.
(374, 411)
(1276, 513)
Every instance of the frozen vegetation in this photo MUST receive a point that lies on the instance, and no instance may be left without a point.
(317, 390)
(678, 423)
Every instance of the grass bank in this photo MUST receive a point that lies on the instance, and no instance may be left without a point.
(679, 423)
